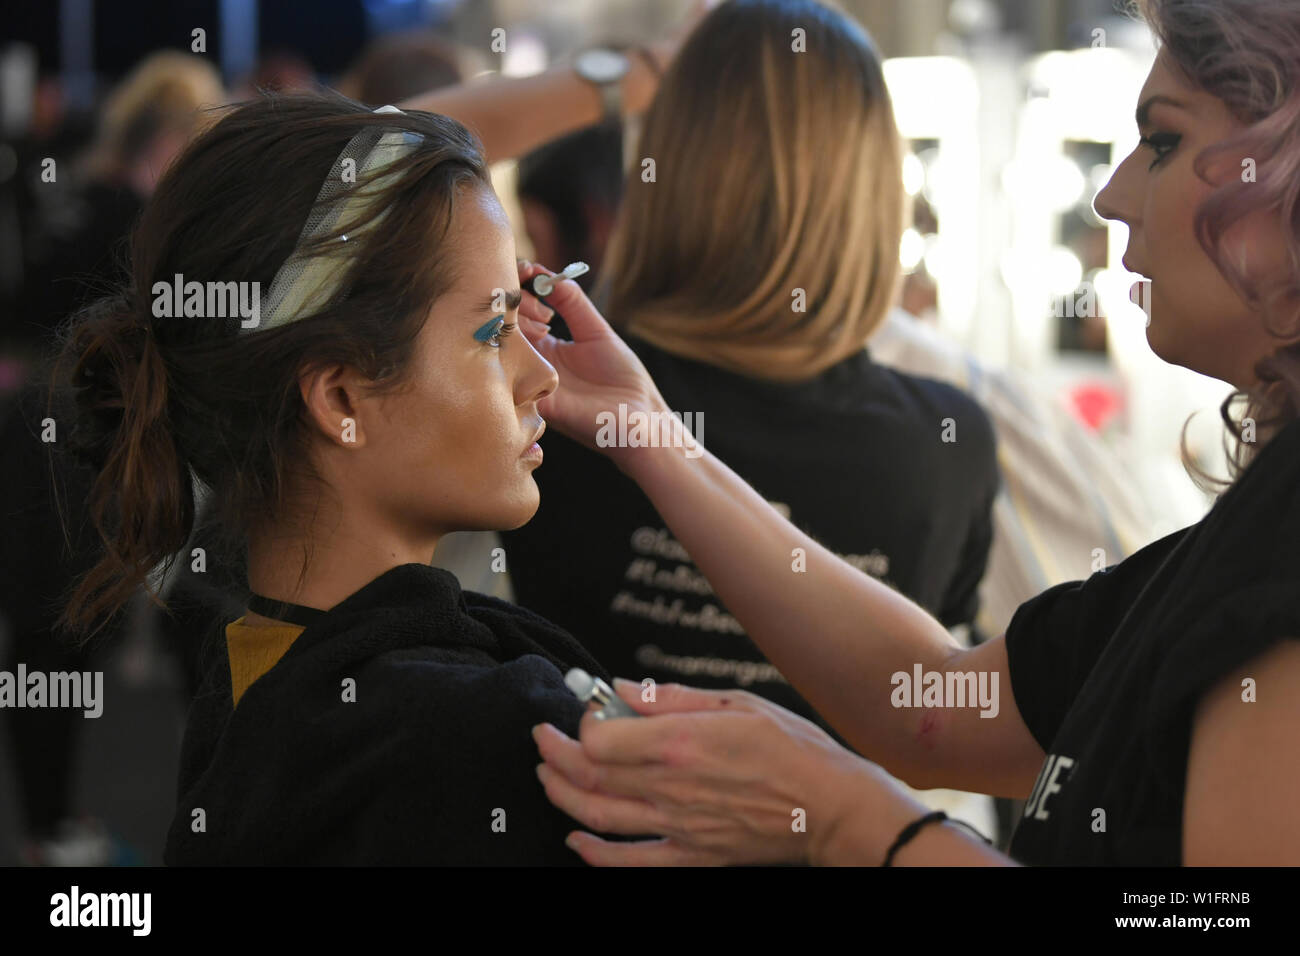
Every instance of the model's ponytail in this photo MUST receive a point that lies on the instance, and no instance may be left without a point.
(113, 377)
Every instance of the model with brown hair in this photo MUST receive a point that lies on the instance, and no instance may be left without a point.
(346, 391)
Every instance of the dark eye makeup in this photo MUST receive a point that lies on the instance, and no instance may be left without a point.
(1162, 144)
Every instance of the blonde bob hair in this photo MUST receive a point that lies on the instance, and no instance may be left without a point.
(766, 240)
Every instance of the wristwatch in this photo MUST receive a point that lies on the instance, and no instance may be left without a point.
(605, 70)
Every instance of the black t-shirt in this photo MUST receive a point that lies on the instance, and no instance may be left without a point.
(1107, 672)
(895, 472)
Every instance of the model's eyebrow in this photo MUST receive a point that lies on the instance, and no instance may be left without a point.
(512, 301)
(1143, 114)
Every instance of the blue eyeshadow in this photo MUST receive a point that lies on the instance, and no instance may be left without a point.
(490, 328)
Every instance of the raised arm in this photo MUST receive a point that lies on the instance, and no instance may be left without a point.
(836, 633)
(513, 115)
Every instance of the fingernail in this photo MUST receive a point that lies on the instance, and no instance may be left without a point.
(623, 682)
(571, 841)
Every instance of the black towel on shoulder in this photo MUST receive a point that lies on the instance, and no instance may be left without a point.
(394, 731)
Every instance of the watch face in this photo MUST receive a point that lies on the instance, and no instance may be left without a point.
(602, 66)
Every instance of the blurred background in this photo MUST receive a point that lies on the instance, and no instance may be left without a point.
(1014, 112)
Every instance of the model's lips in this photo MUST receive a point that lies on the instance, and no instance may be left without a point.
(533, 447)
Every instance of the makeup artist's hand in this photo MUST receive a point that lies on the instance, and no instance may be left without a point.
(598, 371)
(725, 776)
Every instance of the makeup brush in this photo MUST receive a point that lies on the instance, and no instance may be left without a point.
(542, 285)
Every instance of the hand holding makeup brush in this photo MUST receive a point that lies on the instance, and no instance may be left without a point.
(598, 371)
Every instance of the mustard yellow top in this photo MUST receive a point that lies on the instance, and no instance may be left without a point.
(253, 650)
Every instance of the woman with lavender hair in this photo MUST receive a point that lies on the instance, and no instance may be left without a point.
(1152, 708)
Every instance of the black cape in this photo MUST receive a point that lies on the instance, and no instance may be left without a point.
(433, 763)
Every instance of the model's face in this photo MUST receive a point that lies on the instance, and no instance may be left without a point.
(1196, 319)
(450, 450)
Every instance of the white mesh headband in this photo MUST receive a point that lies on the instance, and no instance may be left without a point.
(306, 282)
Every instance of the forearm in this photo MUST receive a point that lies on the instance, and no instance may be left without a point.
(835, 633)
(514, 115)
(863, 835)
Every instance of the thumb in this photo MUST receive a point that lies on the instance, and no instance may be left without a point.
(676, 698)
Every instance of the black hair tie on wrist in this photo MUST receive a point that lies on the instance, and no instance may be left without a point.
(285, 611)
(913, 828)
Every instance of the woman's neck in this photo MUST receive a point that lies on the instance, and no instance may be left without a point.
(341, 556)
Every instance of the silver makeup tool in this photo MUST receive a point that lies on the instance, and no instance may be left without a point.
(587, 688)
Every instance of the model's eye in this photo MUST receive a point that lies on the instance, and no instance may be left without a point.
(1162, 144)
(494, 330)
(502, 332)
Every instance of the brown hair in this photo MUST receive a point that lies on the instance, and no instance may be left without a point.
(778, 168)
(1245, 53)
(398, 66)
(157, 403)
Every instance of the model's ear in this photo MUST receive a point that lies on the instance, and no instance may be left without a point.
(332, 396)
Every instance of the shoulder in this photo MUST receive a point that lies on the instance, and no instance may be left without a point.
(929, 395)
(1111, 584)
(447, 684)
(1237, 590)
(500, 614)
(448, 777)
(1243, 781)
(436, 718)
(519, 628)
(1268, 492)
(939, 428)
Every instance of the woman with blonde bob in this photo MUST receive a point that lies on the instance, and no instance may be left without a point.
(755, 253)
(1148, 714)
(778, 178)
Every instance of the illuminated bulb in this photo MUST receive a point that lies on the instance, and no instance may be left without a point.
(910, 249)
(913, 174)
(1064, 271)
